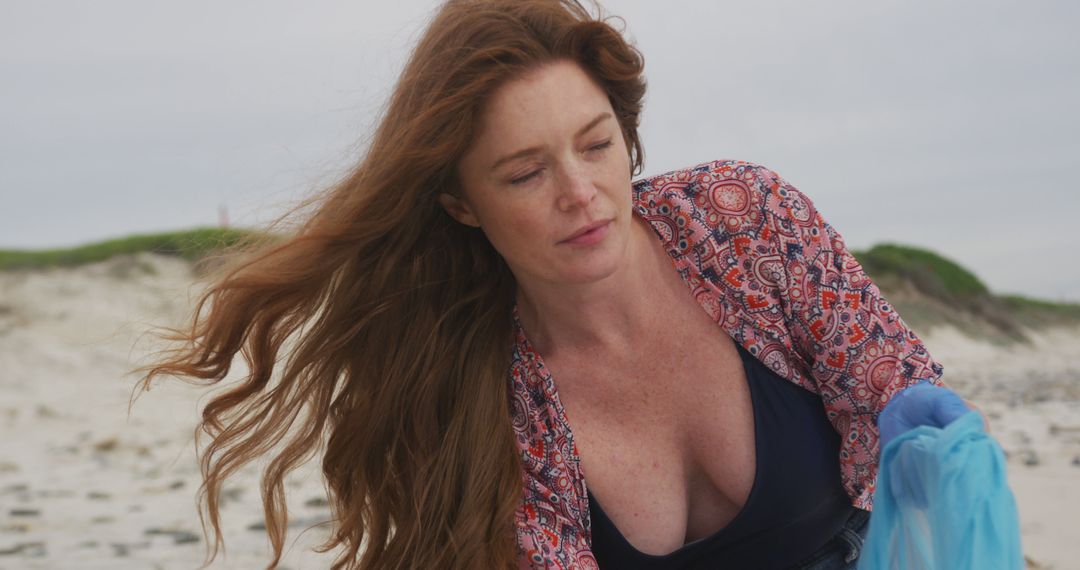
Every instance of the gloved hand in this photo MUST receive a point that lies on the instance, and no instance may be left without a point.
(923, 404)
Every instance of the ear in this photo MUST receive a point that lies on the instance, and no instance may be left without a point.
(458, 209)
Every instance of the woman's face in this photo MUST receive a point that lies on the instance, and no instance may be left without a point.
(548, 178)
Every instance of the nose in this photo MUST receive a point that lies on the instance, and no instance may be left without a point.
(576, 188)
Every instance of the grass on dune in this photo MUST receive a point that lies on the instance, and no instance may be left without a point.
(954, 291)
(189, 244)
(929, 272)
(1022, 303)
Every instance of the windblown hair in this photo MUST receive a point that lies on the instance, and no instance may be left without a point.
(379, 331)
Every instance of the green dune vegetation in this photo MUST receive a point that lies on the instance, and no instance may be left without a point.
(927, 289)
(194, 245)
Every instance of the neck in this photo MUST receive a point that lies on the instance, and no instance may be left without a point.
(610, 314)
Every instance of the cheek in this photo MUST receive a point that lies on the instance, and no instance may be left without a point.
(516, 232)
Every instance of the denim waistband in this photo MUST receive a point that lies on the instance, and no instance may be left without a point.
(842, 551)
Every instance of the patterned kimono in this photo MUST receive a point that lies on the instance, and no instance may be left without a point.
(761, 261)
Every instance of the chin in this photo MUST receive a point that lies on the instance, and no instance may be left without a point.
(589, 272)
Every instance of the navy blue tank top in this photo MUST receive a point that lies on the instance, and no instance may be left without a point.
(796, 505)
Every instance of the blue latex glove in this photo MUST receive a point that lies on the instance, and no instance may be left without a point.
(923, 404)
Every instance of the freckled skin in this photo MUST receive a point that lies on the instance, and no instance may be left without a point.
(666, 437)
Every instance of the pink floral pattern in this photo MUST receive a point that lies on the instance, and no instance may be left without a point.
(764, 264)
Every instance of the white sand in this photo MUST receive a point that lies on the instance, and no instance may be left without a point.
(83, 486)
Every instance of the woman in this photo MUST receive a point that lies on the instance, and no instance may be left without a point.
(491, 248)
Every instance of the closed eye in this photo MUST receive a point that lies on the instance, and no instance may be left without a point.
(600, 146)
(523, 179)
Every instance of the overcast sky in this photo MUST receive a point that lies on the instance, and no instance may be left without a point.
(947, 125)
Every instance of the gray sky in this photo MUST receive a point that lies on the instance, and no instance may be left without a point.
(951, 125)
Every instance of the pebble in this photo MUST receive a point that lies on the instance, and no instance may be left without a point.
(16, 488)
(1030, 458)
(185, 538)
(55, 493)
(33, 549)
(17, 528)
(317, 502)
(1032, 564)
(1056, 429)
(107, 445)
(231, 495)
(1076, 461)
(294, 522)
(178, 536)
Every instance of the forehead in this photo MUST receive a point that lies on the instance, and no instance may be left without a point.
(549, 102)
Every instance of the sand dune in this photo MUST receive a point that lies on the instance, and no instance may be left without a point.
(83, 485)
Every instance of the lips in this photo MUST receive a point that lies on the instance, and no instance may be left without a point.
(589, 233)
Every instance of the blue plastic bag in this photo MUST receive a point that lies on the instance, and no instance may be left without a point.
(943, 503)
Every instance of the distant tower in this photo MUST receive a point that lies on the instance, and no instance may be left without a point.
(223, 216)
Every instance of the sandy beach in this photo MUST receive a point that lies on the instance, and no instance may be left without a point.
(84, 485)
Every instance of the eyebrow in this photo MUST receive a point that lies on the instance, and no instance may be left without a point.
(534, 149)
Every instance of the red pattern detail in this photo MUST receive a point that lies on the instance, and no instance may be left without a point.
(817, 328)
(552, 538)
(734, 277)
(858, 333)
(757, 301)
(537, 450)
(828, 299)
(742, 243)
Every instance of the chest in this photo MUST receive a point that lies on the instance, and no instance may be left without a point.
(665, 438)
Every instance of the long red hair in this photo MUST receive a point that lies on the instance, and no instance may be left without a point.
(378, 332)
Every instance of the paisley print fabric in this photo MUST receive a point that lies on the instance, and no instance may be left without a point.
(762, 262)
